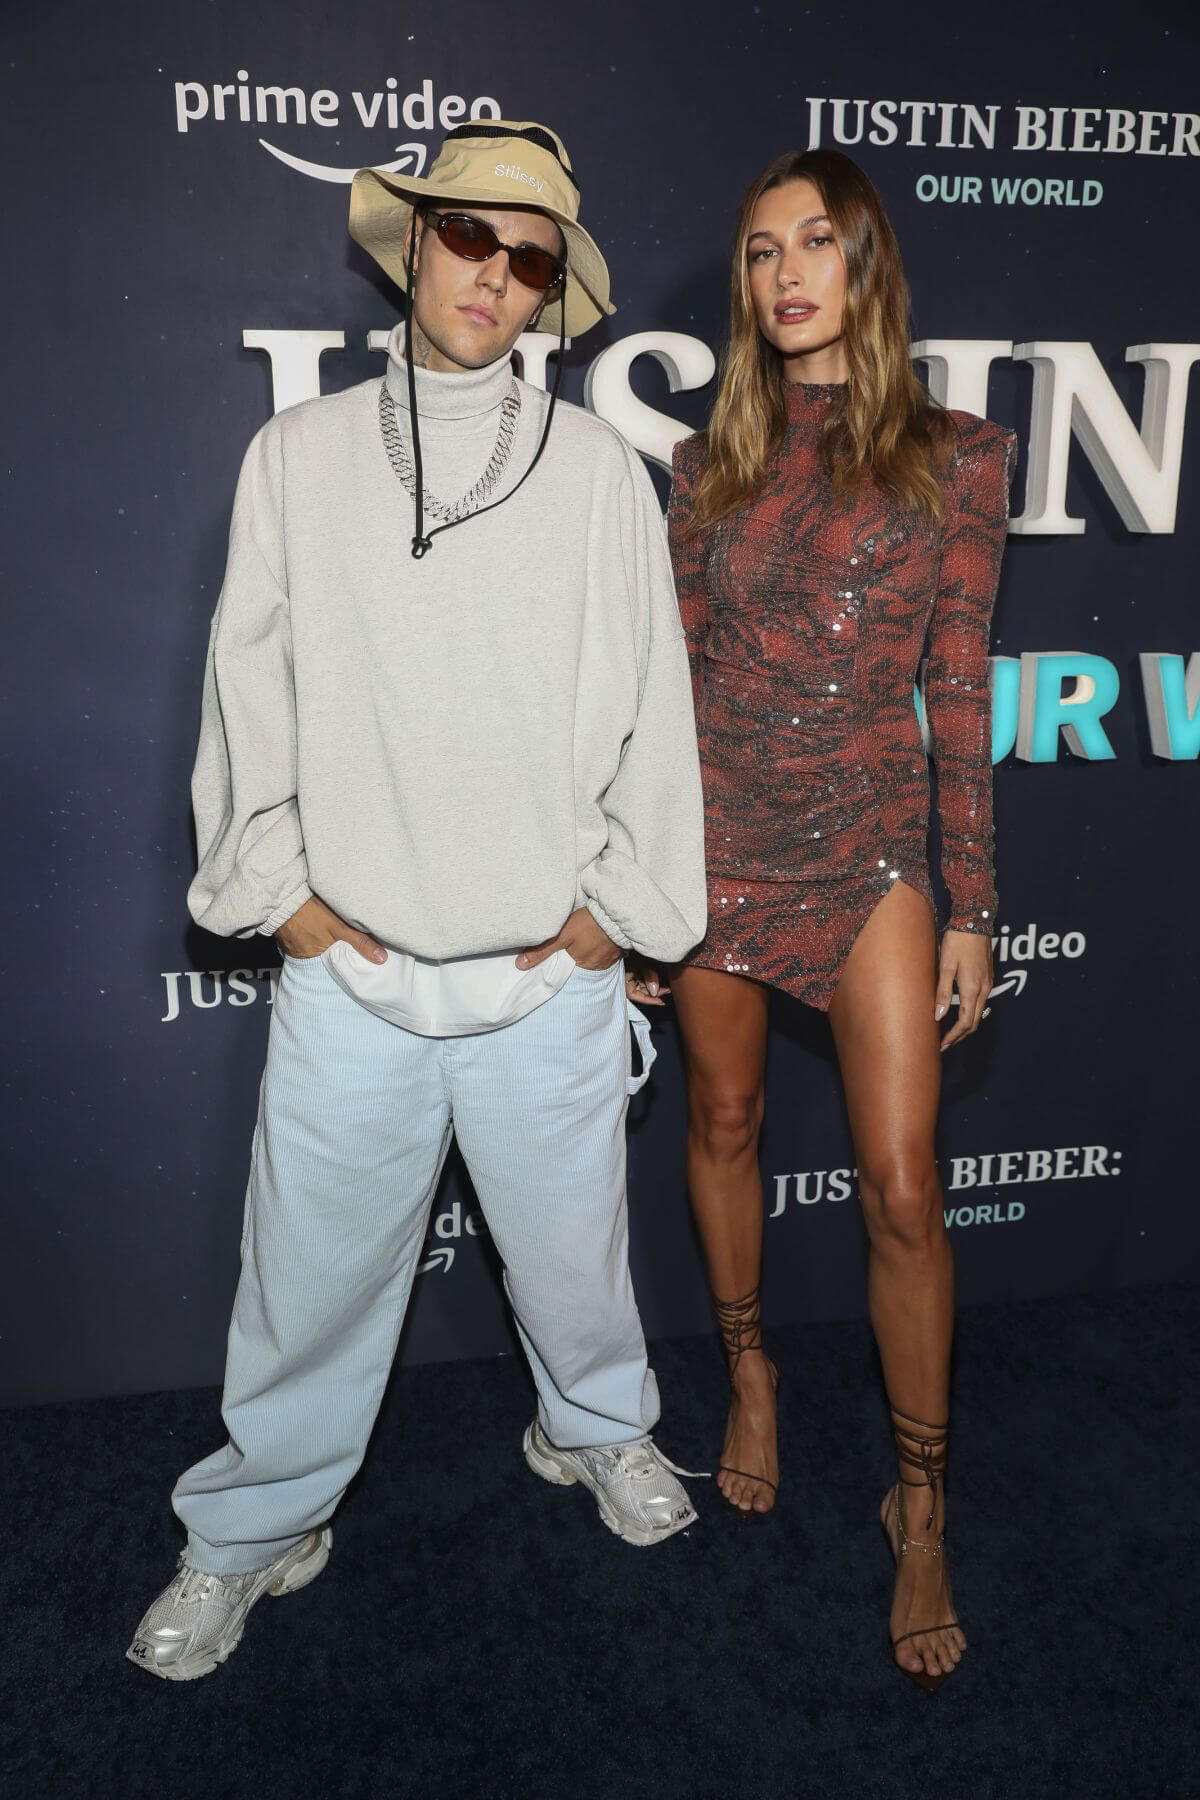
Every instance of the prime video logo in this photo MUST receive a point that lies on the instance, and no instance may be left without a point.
(1014, 947)
(242, 102)
(456, 1222)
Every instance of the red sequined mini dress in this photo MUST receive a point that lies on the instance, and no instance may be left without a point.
(806, 618)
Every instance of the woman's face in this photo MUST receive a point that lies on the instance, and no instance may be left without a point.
(797, 277)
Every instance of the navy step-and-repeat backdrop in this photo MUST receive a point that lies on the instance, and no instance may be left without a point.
(178, 266)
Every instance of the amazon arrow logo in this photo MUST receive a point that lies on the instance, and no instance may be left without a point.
(1013, 983)
(409, 157)
(441, 1258)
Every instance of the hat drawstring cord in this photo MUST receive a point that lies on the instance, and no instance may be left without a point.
(421, 542)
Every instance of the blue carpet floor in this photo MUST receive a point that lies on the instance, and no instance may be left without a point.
(478, 1635)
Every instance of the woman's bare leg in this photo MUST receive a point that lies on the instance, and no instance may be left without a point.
(723, 1019)
(888, 1047)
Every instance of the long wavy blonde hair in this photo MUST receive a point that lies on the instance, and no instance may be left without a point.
(887, 428)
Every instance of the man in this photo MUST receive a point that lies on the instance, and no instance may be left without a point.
(448, 758)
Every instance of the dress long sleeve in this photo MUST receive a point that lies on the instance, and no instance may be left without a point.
(689, 559)
(957, 696)
(646, 887)
(253, 873)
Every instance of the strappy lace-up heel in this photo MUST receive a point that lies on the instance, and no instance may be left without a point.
(923, 1447)
(740, 1325)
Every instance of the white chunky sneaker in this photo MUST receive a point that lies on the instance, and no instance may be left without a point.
(198, 1621)
(634, 1484)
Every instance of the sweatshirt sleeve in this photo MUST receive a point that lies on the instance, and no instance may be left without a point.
(689, 561)
(957, 694)
(647, 887)
(253, 874)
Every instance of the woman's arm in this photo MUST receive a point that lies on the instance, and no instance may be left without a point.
(957, 694)
(958, 706)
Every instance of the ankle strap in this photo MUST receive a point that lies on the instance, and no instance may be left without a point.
(924, 1449)
(740, 1325)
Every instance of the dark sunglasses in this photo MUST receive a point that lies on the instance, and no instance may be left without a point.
(476, 241)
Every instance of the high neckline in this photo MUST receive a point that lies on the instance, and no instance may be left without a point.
(443, 396)
(801, 398)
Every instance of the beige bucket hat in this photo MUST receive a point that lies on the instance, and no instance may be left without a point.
(489, 162)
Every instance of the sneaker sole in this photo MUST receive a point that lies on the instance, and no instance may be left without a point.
(547, 1465)
(290, 1580)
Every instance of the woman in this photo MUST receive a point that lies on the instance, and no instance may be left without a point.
(830, 522)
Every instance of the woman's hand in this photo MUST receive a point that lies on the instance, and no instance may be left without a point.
(314, 926)
(585, 942)
(966, 964)
(643, 983)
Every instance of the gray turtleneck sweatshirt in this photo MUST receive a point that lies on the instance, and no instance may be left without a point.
(456, 752)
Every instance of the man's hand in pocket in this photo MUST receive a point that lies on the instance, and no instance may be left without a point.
(314, 926)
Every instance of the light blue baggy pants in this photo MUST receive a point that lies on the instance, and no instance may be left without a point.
(355, 1119)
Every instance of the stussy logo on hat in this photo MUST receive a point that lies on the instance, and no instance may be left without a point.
(514, 172)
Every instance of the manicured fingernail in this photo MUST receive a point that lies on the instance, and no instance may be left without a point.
(653, 985)
(378, 954)
(522, 962)
(939, 1012)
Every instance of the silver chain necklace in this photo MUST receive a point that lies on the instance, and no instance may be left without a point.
(401, 462)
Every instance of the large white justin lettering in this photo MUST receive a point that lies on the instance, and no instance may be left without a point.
(1072, 395)
(295, 358)
(688, 363)
(958, 369)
